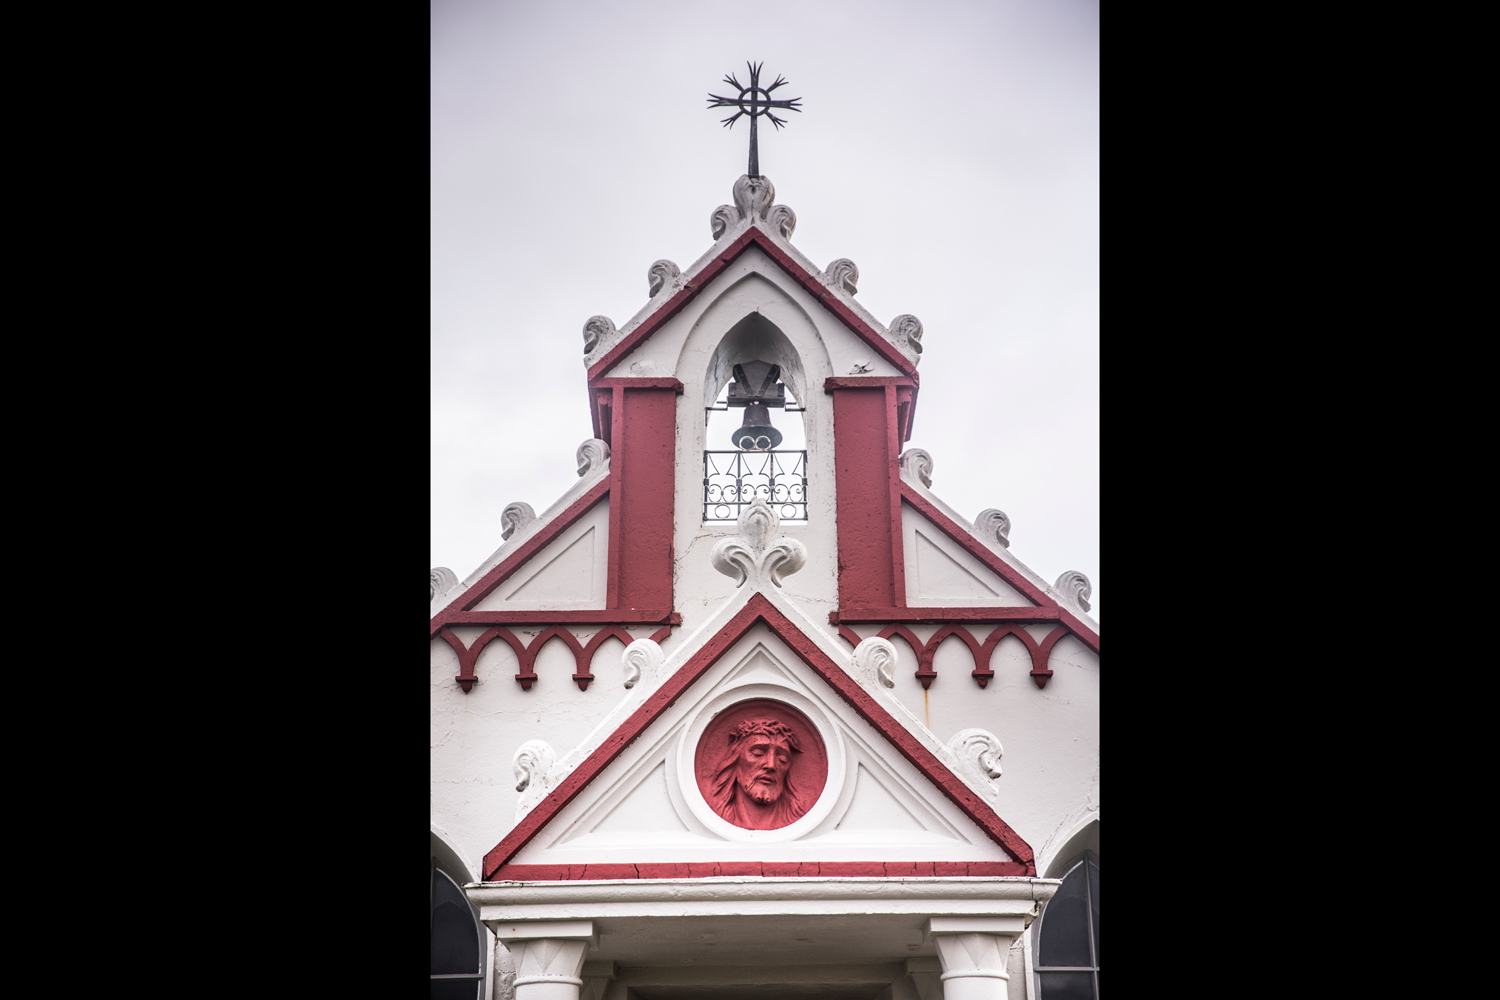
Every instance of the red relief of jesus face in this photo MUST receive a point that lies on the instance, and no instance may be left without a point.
(762, 766)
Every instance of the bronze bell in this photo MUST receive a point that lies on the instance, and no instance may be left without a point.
(756, 389)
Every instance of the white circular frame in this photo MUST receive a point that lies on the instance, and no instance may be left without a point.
(687, 747)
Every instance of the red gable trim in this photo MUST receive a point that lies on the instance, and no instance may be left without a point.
(763, 869)
(454, 613)
(1002, 568)
(757, 609)
(636, 383)
(753, 237)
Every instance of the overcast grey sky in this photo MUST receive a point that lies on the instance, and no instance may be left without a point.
(950, 149)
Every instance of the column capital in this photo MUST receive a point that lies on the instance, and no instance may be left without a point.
(530, 930)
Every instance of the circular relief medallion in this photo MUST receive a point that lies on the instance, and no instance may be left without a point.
(761, 764)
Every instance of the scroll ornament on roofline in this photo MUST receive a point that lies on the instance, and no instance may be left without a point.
(661, 274)
(757, 554)
(593, 455)
(906, 331)
(918, 463)
(442, 580)
(993, 525)
(596, 330)
(974, 755)
(843, 275)
(532, 765)
(643, 659)
(514, 517)
(875, 662)
(1075, 589)
(753, 197)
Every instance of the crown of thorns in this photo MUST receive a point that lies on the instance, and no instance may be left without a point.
(764, 727)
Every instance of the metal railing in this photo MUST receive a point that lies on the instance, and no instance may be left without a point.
(732, 479)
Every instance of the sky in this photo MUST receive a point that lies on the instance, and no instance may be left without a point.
(950, 149)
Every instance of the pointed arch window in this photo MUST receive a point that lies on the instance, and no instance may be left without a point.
(1067, 939)
(457, 942)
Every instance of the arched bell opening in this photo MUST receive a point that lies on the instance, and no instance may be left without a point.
(756, 442)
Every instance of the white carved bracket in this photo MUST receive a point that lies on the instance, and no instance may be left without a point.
(661, 274)
(597, 330)
(753, 198)
(442, 580)
(906, 331)
(757, 554)
(593, 454)
(875, 662)
(643, 659)
(843, 275)
(975, 757)
(993, 524)
(1075, 589)
(918, 463)
(514, 517)
(532, 765)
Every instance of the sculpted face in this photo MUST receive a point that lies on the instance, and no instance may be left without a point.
(761, 767)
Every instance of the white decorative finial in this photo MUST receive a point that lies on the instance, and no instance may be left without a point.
(643, 658)
(994, 524)
(842, 274)
(660, 274)
(757, 554)
(442, 580)
(1075, 589)
(532, 763)
(976, 757)
(906, 331)
(595, 330)
(875, 659)
(918, 463)
(592, 454)
(783, 220)
(514, 517)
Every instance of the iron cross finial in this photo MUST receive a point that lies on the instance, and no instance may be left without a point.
(754, 101)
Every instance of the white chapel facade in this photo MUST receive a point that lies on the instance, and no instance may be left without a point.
(731, 719)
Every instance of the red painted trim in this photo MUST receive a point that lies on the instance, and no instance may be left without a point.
(583, 656)
(863, 468)
(762, 869)
(1002, 568)
(696, 283)
(646, 450)
(866, 382)
(636, 383)
(850, 636)
(934, 616)
(925, 674)
(893, 472)
(617, 464)
(607, 616)
(927, 652)
(756, 610)
(661, 634)
(517, 559)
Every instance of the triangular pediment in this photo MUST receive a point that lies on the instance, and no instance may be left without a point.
(569, 571)
(940, 573)
(665, 788)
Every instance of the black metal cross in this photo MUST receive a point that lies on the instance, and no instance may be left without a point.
(754, 101)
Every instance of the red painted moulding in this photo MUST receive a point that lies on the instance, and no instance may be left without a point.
(868, 572)
(583, 655)
(604, 616)
(926, 652)
(1003, 569)
(753, 237)
(758, 610)
(642, 462)
(517, 559)
(763, 869)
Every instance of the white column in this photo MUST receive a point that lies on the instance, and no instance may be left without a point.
(596, 978)
(973, 951)
(548, 955)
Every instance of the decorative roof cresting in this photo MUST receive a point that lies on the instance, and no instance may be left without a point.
(1075, 589)
(592, 454)
(993, 524)
(514, 517)
(918, 463)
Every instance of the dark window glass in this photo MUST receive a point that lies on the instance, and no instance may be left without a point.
(1067, 985)
(1068, 938)
(457, 941)
(1065, 932)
